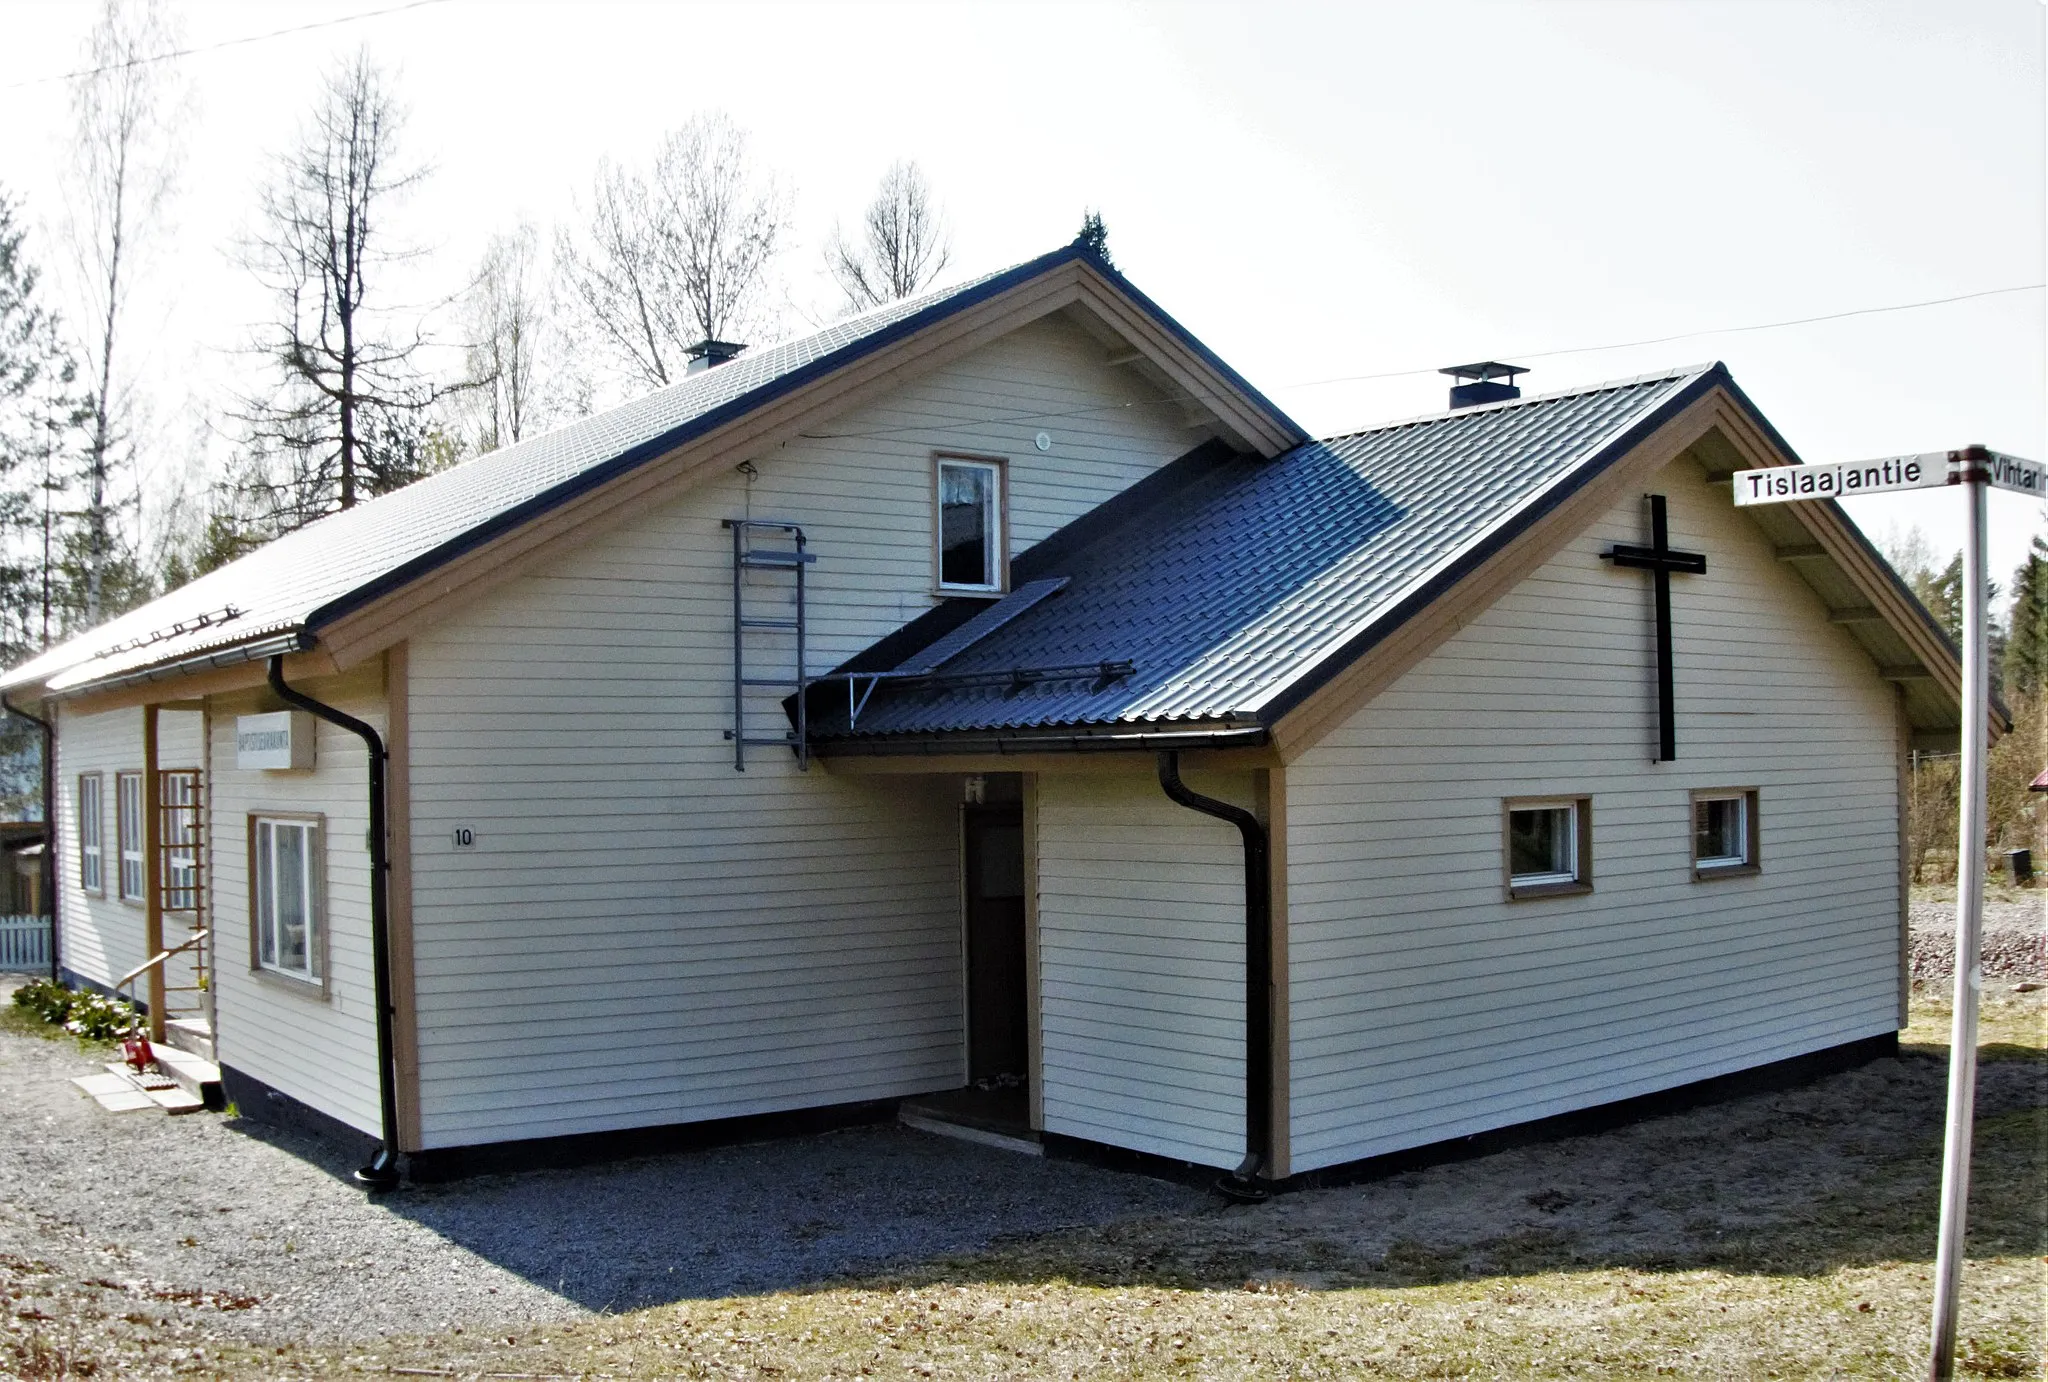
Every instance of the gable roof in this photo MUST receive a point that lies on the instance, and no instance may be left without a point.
(1242, 586)
(280, 597)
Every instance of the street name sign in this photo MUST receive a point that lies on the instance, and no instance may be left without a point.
(1786, 484)
(2017, 474)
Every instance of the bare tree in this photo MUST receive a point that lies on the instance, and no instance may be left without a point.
(524, 379)
(902, 247)
(346, 422)
(122, 169)
(678, 256)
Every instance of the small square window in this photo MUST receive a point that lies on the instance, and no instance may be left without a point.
(970, 525)
(1549, 846)
(1724, 833)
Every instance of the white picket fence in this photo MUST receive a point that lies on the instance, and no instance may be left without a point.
(24, 944)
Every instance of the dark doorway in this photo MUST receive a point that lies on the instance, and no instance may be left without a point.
(998, 1042)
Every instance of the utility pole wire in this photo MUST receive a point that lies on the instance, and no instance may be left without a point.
(1683, 335)
(224, 43)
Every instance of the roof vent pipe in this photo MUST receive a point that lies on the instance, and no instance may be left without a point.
(1488, 381)
(707, 354)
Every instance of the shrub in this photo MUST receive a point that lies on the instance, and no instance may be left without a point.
(93, 1016)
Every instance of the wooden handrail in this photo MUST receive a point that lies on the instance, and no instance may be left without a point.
(132, 975)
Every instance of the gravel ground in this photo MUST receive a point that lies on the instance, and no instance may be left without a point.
(2014, 943)
(204, 1224)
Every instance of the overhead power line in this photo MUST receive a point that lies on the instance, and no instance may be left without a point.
(1518, 355)
(224, 43)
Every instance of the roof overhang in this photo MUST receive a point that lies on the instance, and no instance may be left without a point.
(1071, 281)
(1712, 423)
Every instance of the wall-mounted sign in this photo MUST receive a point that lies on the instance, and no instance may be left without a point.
(282, 740)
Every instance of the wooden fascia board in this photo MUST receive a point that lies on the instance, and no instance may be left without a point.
(1347, 692)
(1198, 381)
(365, 632)
(1832, 532)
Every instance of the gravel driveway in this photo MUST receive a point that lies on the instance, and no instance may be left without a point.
(261, 1233)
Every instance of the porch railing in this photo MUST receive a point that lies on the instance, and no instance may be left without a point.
(24, 944)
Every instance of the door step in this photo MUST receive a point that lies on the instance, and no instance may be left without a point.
(181, 1083)
(1027, 1145)
(195, 1075)
(193, 1034)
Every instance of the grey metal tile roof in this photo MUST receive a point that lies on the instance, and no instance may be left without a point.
(306, 578)
(1230, 592)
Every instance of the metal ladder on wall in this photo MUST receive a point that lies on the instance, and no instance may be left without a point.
(757, 545)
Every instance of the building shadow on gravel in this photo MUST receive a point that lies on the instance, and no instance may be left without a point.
(770, 1216)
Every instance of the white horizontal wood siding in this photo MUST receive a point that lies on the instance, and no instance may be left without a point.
(100, 936)
(641, 935)
(1141, 963)
(1425, 1006)
(320, 1049)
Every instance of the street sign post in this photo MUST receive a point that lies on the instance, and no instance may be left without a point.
(1977, 470)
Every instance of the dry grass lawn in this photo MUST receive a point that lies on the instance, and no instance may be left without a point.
(1782, 1235)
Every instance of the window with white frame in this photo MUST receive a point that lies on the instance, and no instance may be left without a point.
(1724, 833)
(1549, 846)
(128, 833)
(285, 895)
(970, 524)
(91, 864)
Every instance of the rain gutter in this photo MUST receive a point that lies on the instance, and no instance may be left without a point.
(382, 1171)
(1249, 1183)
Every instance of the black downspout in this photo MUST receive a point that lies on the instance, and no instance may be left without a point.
(382, 1172)
(49, 863)
(1247, 1184)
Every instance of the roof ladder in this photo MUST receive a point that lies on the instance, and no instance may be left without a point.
(767, 546)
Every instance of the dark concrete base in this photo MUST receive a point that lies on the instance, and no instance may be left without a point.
(255, 1100)
(1761, 1079)
(581, 1149)
(259, 1103)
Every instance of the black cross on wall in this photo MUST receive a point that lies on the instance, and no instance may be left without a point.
(1660, 560)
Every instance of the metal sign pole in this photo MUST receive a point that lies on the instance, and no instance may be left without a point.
(1962, 1055)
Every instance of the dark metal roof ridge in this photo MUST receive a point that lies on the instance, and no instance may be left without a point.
(1527, 401)
(955, 743)
(1420, 599)
(604, 472)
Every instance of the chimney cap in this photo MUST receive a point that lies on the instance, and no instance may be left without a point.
(1485, 370)
(705, 354)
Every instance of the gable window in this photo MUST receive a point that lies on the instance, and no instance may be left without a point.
(970, 524)
(128, 833)
(1549, 846)
(1724, 833)
(285, 895)
(91, 865)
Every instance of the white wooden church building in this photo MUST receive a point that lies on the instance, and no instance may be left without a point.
(1160, 778)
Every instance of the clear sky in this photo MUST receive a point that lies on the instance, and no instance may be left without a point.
(1318, 191)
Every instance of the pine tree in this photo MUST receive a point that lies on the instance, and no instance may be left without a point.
(2026, 629)
(1094, 236)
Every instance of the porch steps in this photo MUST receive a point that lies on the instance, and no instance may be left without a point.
(181, 1083)
(195, 1075)
(194, 1034)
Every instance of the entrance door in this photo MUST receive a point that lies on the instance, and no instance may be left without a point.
(997, 1041)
